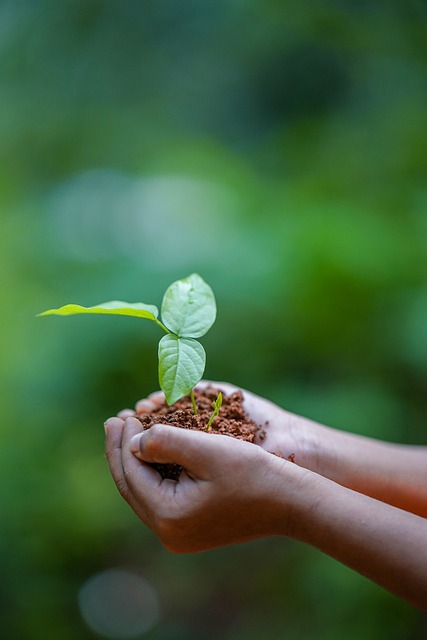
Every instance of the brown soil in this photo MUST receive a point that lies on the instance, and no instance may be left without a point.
(232, 420)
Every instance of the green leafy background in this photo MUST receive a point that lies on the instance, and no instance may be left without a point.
(278, 148)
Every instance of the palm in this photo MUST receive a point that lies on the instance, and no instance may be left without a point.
(278, 432)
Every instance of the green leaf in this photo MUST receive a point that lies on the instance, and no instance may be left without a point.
(217, 404)
(115, 307)
(181, 366)
(188, 307)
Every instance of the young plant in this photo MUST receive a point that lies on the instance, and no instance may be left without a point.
(217, 404)
(188, 311)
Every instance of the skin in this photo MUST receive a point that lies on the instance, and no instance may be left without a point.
(354, 498)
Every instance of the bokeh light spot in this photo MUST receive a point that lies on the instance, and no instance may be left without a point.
(118, 604)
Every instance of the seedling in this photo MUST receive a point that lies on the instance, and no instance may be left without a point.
(188, 311)
(217, 404)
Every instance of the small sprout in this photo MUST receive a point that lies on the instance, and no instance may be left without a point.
(217, 404)
(188, 312)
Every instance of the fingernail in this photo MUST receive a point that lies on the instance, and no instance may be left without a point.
(135, 442)
(135, 445)
(106, 425)
(109, 423)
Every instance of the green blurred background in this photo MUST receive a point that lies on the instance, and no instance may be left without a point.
(278, 148)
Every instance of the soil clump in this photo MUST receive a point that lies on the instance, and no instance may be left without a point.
(232, 420)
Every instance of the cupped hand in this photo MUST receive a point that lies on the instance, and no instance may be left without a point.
(283, 433)
(228, 492)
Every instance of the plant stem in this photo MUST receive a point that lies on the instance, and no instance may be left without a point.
(193, 402)
(211, 419)
(162, 326)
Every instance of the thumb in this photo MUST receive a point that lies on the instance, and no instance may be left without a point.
(196, 451)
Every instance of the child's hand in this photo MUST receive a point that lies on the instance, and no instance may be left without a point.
(227, 493)
(232, 491)
(283, 433)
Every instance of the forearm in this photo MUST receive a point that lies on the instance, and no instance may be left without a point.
(231, 491)
(385, 544)
(392, 473)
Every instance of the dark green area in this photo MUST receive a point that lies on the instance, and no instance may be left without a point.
(278, 148)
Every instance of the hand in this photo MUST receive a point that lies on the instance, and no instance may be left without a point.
(285, 434)
(229, 491)
(232, 491)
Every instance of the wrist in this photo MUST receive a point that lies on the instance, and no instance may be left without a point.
(308, 444)
(318, 448)
(294, 500)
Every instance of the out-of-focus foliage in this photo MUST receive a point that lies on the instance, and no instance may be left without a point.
(276, 147)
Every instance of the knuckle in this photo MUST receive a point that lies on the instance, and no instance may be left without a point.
(158, 431)
(158, 438)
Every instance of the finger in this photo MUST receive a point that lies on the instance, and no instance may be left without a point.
(153, 402)
(113, 449)
(131, 427)
(142, 480)
(131, 465)
(198, 452)
(126, 413)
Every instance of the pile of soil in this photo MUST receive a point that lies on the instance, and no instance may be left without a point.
(232, 420)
